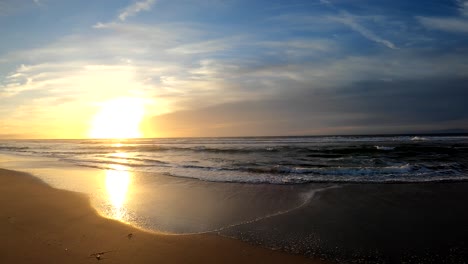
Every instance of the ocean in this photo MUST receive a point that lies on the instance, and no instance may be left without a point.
(273, 160)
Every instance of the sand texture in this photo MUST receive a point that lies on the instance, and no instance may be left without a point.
(40, 224)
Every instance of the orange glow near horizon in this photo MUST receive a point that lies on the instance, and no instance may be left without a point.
(118, 118)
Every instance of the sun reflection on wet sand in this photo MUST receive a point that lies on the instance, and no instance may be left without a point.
(118, 183)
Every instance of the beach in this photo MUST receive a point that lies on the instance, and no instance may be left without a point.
(353, 223)
(40, 224)
(396, 199)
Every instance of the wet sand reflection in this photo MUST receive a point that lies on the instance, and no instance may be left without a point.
(117, 182)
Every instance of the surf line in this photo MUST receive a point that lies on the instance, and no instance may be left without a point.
(307, 196)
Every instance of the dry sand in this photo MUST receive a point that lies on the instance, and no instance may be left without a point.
(40, 224)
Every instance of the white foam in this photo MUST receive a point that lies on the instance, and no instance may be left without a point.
(384, 148)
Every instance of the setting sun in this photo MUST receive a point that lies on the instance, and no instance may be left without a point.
(118, 118)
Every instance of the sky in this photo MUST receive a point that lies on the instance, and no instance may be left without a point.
(191, 68)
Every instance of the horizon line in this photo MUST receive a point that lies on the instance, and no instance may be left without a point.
(465, 132)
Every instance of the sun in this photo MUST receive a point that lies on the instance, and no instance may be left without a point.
(118, 118)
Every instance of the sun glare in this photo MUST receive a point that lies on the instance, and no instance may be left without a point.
(117, 186)
(118, 118)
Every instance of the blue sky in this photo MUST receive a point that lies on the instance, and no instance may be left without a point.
(235, 67)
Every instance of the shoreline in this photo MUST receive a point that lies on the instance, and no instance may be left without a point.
(41, 224)
(356, 223)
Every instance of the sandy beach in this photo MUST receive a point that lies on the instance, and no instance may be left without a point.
(40, 224)
(59, 209)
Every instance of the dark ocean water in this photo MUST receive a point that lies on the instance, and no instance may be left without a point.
(275, 160)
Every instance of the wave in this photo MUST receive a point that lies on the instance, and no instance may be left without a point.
(310, 150)
(268, 160)
(297, 179)
(108, 164)
(13, 148)
(394, 174)
(384, 148)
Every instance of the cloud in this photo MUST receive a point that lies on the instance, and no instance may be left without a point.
(201, 47)
(184, 66)
(250, 82)
(362, 107)
(463, 7)
(15, 7)
(350, 21)
(299, 48)
(153, 62)
(135, 8)
(453, 24)
(449, 24)
(100, 25)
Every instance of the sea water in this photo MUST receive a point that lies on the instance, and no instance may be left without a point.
(272, 160)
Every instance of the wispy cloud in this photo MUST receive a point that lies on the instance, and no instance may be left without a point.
(321, 24)
(14, 7)
(171, 67)
(463, 7)
(136, 8)
(131, 10)
(350, 21)
(457, 25)
(295, 45)
(201, 47)
(454, 24)
(158, 62)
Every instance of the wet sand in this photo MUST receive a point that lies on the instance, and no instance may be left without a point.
(340, 223)
(40, 224)
(373, 223)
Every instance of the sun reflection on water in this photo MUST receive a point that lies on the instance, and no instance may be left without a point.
(118, 182)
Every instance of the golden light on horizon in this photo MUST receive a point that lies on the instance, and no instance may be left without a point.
(118, 118)
(117, 185)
